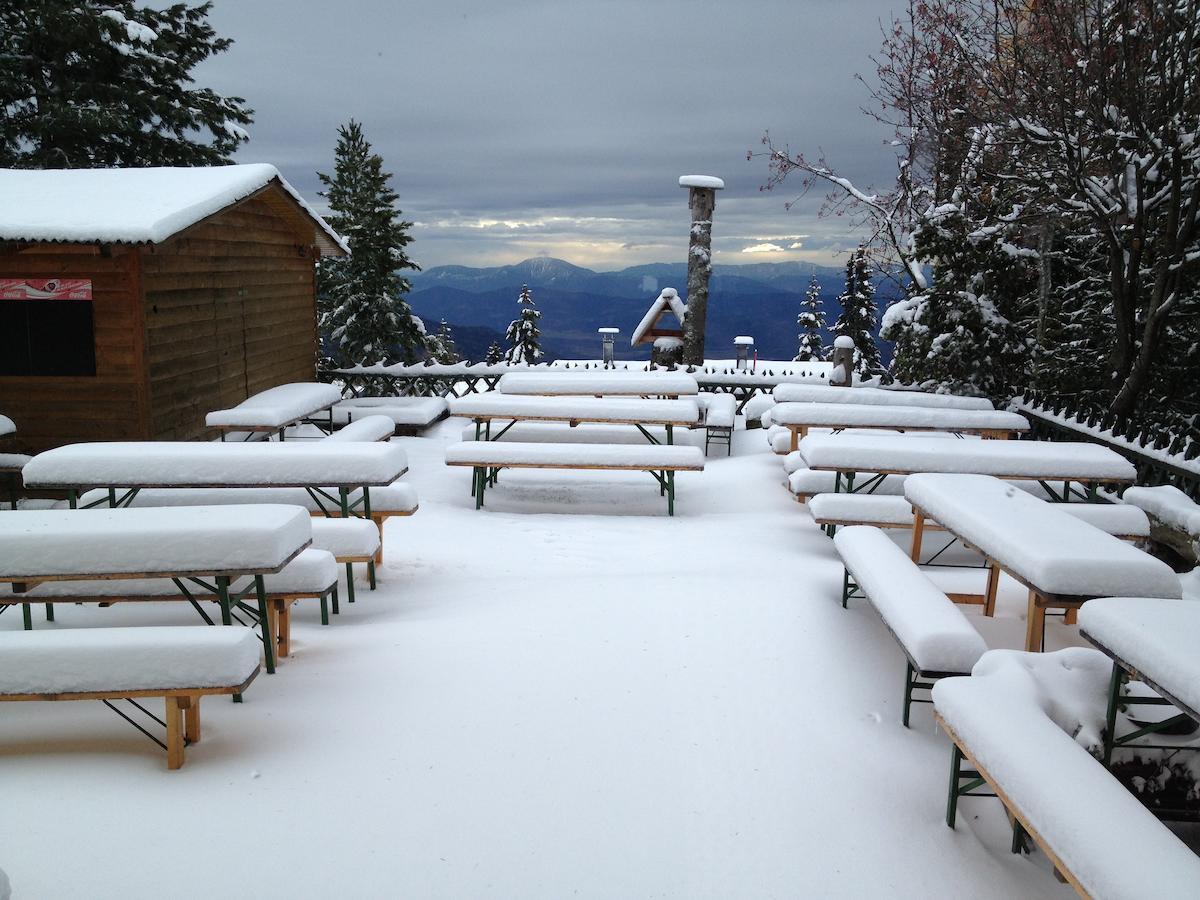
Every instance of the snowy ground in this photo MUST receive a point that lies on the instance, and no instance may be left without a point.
(566, 694)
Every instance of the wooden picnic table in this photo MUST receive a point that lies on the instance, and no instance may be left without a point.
(799, 417)
(488, 408)
(131, 466)
(1062, 561)
(1152, 641)
(1046, 462)
(206, 547)
(274, 410)
(598, 384)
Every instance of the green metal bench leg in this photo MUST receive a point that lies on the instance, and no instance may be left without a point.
(1018, 841)
(908, 689)
(27, 616)
(371, 573)
(670, 493)
(264, 622)
(333, 596)
(223, 599)
(350, 582)
(1114, 700)
(956, 758)
(325, 609)
(845, 588)
(49, 612)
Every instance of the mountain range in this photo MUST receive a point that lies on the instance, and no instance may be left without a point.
(758, 299)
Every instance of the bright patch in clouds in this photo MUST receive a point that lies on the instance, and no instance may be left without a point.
(763, 248)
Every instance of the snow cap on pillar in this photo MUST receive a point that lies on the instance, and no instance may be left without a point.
(701, 181)
(844, 342)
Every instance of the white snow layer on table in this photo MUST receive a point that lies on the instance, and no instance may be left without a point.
(779, 438)
(129, 206)
(215, 464)
(345, 537)
(823, 393)
(809, 481)
(874, 509)
(312, 572)
(277, 406)
(1030, 459)
(592, 382)
(648, 456)
(701, 181)
(1001, 714)
(757, 405)
(720, 411)
(833, 415)
(590, 409)
(1052, 551)
(396, 497)
(84, 660)
(13, 460)
(1156, 637)
(1169, 505)
(6, 426)
(366, 429)
(79, 543)
(584, 433)
(929, 626)
(413, 411)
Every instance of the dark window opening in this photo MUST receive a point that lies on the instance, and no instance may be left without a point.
(47, 337)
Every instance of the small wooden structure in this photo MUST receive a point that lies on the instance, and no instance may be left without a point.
(134, 301)
(662, 327)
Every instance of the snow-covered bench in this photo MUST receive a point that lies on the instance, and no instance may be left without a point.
(486, 458)
(585, 433)
(1098, 836)
(181, 664)
(311, 575)
(1175, 517)
(368, 428)
(351, 541)
(798, 418)
(935, 636)
(409, 415)
(11, 466)
(487, 409)
(806, 483)
(597, 384)
(7, 426)
(720, 413)
(273, 410)
(824, 393)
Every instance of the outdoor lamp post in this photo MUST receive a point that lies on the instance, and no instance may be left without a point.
(607, 337)
(742, 344)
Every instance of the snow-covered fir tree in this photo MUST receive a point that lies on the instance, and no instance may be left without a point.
(440, 346)
(523, 336)
(89, 84)
(360, 299)
(494, 355)
(859, 316)
(811, 321)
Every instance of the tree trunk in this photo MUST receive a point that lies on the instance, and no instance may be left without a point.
(702, 201)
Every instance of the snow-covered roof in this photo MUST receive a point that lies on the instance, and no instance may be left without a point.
(701, 181)
(668, 299)
(133, 206)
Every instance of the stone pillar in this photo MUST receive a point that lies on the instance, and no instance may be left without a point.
(702, 200)
(842, 373)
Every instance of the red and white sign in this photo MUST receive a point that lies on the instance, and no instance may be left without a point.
(45, 289)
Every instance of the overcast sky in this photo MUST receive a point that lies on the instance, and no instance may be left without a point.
(524, 128)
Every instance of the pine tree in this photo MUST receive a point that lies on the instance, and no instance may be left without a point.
(88, 84)
(859, 317)
(360, 299)
(811, 321)
(523, 336)
(495, 355)
(440, 346)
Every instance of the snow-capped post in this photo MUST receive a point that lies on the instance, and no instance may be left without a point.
(742, 344)
(608, 337)
(702, 200)
(842, 373)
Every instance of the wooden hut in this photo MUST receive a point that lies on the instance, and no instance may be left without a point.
(662, 327)
(134, 301)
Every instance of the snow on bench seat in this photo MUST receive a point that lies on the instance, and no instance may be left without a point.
(720, 410)
(1169, 505)
(1155, 638)
(639, 384)
(13, 462)
(405, 412)
(162, 464)
(823, 393)
(394, 499)
(346, 539)
(1039, 544)
(181, 664)
(1095, 832)
(649, 457)
(274, 408)
(368, 428)
(73, 544)
(578, 409)
(896, 512)
(845, 415)
(1057, 460)
(805, 483)
(583, 433)
(936, 637)
(7, 426)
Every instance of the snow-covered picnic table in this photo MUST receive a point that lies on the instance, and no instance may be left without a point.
(410, 415)
(1062, 560)
(989, 423)
(190, 544)
(877, 456)
(599, 383)
(488, 408)
(1149, 640)
(7, 426)
(275, 409)
(824, 393)
(134, 465)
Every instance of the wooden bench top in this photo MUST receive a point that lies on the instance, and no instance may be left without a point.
(655, 457)
(603, 410)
